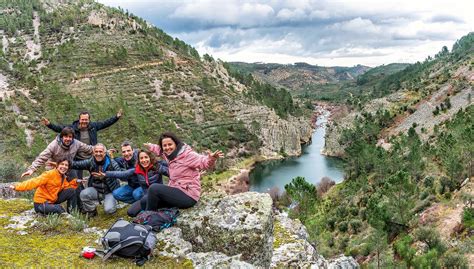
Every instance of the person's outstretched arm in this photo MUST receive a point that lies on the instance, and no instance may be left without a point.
(32, 183)
(203, 162)
(55, 127)
(99, 125)
(44, 156)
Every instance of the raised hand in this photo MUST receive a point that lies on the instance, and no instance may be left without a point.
(147, 145)
(45, 121)
(27, 173)
(216, 154)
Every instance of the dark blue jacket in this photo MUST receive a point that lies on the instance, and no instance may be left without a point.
(128, 164)
(132, 180)
(106, 185)
(144, 178)
(93, 128)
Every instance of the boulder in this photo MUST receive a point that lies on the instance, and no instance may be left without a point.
(239, 224)
(343, 262)
(6, 192)
(291, 248)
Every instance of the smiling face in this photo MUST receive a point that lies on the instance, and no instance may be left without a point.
(63, 167)
(144, 159)
(67, 139)
(83, 121)
(168, 145)
(99, 153)
(127, 152)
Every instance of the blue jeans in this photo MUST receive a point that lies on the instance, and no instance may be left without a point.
(128, 194)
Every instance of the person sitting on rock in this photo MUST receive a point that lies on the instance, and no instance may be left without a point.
(98, 187)
(147, 172)
(53, 187)
(63, 147)
(184, 165)
(132, 191)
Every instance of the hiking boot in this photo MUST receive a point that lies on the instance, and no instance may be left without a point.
(90, 214)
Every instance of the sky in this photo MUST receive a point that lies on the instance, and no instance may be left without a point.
(319, 32)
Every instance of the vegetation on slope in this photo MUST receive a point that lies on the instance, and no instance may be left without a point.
(374, 215)
(102, 59)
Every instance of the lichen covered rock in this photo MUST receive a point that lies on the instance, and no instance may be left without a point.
(233, 225)
(291, 248)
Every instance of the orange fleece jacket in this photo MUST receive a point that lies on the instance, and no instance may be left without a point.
(47, 186)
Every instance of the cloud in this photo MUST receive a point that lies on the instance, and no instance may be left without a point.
(368, 31)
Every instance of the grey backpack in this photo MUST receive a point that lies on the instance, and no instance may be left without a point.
(129, 240)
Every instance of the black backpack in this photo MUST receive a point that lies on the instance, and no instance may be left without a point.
(158, 220)
(128, 240)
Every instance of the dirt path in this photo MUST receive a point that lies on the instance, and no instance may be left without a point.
(121, 69)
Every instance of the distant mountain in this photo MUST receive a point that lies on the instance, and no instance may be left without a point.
(299, 75)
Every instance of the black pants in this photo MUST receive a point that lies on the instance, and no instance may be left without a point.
(162, 196)
(68, 195)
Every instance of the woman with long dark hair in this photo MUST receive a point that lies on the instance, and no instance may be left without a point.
(52, 188)
(185, 166)
(147, 171)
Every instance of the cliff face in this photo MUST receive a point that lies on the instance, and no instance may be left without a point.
(278, 136)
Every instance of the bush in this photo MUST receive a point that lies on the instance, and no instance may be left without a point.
(51, 222)
(10, 171)
(331, 223)
(454, 260)
(325, 184)
(431, 237)
(468, 217)
(342, 226)
(355, 225)
(78, 221)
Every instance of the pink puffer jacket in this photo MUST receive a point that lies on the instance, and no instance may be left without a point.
(185, 169)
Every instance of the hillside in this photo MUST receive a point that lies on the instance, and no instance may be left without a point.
(346, 85)
(61, 57)
(406, 201)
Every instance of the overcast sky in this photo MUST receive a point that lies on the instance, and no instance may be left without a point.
(326, 33)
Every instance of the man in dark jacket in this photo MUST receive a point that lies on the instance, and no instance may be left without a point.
(132, 191)
(84, 131)
(98, 187)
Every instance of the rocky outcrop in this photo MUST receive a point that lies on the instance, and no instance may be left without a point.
(342, 262)
(6, 192)
(278, 136)
(237, 224)
(242, 231)
(290, 246)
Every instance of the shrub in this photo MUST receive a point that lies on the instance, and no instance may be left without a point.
(51, 222)
(468, 217)
(431, 237)
(355, 225)
(324, 185)
(342, 226)
(78, 221)
(331, 223)
(454, 260)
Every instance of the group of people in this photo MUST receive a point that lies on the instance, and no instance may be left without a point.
(76, 148)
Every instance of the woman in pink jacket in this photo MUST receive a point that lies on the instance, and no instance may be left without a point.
(184, 164)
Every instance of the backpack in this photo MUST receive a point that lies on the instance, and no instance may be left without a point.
(158, 220)
(128, 240)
